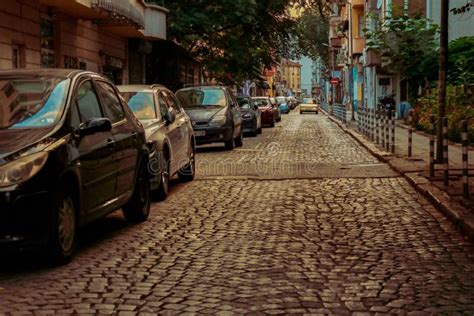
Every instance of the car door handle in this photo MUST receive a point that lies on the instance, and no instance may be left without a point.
(111, 143)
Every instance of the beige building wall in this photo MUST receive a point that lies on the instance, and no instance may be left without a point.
(77, 43)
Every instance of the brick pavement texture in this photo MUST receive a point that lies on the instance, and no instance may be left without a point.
(222, 246)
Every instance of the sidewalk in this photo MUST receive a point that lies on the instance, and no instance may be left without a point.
(416, 170)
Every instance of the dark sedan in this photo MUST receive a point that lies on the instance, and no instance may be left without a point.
(215, 115)
(70, 152)
(251, 116)
(169, 133)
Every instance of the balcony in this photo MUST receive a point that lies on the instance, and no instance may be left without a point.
(76, 8)
(155, 20)
(122, 17)
(358, 44)
(372, 59)
(358, 3)
(336, 42)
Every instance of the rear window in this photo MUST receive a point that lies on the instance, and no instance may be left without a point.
(192, 98)
(142, 104)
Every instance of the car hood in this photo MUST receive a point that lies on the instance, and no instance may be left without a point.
(204, 115)
(14, 141)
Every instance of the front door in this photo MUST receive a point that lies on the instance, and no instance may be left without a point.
(125, 137)
(96, 152)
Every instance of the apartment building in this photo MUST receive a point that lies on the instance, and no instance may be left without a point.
(289, 78)
(106, 36)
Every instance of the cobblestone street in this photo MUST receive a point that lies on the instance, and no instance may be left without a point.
(300, 220)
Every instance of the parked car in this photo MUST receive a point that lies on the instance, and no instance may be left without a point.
(169, 134)
(215, 115)
(309, 105)
(70, 152)
(251, 116)
(276, 109)
(283, 105)
(266, 108)
(292, 102)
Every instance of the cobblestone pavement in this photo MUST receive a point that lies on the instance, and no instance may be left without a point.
(229, 245)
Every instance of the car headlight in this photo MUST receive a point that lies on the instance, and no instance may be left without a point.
(246, 115)
(218, 120)
(21, 170)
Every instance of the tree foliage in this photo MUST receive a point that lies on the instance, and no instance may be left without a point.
(234, 39)
(405, 45)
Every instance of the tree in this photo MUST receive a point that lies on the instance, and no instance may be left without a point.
(404, 44)
(234, 39)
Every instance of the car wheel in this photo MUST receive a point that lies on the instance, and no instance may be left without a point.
(229, 144)
(187, 173)
(63, 234)
(138, 208)
(162, 192)
(255, 130)
(273, 123)
(259, 130)
(316, 112)
(239, 141)
(301, 112)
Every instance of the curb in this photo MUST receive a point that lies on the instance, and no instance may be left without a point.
(462, 218)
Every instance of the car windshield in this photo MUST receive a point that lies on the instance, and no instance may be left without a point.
(191, 98)
(261, 102)
(281, 100)
(308, 101)
(244, 103)
(142, 104)
(31, 102)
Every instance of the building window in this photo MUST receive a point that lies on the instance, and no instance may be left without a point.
(47, 42)
(15, 56)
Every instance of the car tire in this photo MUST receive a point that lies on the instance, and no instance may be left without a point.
(138, 208)
(229, 144)
(255, 130)
(187, 173)
(317, 112)
(63, 234)
(301, 112)
(163, 188)
(239, 141)
(272, 124)
(259, 130)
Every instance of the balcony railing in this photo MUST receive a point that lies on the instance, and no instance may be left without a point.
(120, 12)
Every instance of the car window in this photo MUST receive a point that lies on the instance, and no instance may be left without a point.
(112, 106)
(87, 102)
(142, 104)
(261, 102)
(202, 97)
(171, 99)
(162, 103)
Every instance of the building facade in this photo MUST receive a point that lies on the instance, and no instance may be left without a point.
(288, 78)
(80, 34)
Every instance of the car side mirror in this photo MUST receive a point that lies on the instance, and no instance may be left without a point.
(93, 126)
(170, 117)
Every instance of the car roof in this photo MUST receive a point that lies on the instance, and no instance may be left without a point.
(202, 87)
(139, 88)
(42, 72)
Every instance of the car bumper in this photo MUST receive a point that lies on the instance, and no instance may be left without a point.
(267, 118)
(24, 218)
(309, 108)
(207, 135)
(248, 125)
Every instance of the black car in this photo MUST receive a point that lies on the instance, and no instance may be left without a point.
(71, 151)
(215, 115)
(168, 130)
(251, 116)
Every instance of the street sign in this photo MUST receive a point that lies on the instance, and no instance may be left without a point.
(334, 81)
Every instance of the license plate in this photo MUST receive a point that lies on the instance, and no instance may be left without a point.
(200, 133)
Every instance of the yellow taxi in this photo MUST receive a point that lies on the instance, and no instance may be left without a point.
(309, 105)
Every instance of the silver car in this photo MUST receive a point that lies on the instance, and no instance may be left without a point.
(169, 134)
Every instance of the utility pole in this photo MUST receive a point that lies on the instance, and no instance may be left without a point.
(443, 70)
